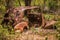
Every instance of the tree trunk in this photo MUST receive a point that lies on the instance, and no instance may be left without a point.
(9, 4)
(19, 2)
(27, 3)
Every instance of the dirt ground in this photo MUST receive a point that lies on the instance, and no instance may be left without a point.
(41, 34)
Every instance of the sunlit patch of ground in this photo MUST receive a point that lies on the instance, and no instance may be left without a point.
(36, 34)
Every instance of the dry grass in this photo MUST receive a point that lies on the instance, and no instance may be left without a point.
(42, 34)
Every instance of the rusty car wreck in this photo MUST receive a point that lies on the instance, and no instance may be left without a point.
(19, 23)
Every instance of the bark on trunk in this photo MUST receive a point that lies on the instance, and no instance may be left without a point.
(27, 3)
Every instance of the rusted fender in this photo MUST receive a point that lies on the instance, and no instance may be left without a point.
(49, 23)
(20, 26)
